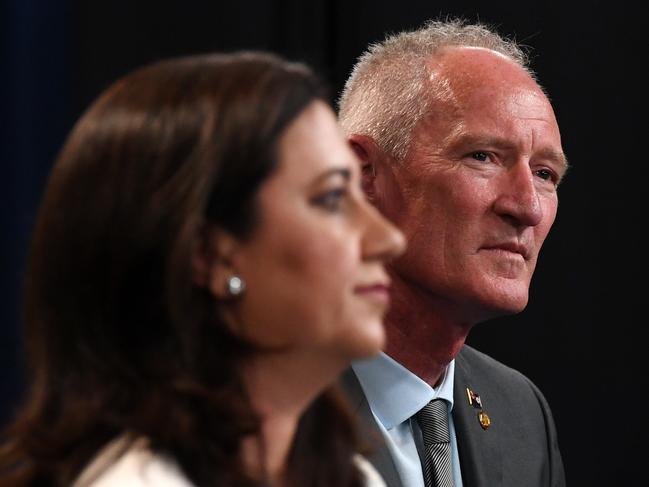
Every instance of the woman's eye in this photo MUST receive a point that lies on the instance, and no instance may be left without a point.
(331, 200)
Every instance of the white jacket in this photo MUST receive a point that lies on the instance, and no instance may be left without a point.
(121, 465)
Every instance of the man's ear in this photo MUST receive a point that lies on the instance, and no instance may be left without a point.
(371, 157)
(212, 260)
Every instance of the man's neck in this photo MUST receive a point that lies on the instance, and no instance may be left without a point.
(423, 334)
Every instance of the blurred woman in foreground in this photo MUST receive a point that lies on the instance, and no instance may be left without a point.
(203, 267)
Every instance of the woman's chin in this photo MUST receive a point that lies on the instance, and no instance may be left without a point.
(370, 343)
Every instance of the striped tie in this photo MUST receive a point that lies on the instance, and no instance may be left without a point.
(436, 466)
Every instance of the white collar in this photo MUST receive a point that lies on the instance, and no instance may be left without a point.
(394, 393)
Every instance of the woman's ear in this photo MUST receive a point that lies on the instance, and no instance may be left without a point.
(212, 261)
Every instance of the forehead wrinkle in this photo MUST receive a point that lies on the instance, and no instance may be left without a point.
(456, 135)
(546, 152)
(426, 129)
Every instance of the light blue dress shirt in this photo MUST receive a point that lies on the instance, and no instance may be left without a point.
(395, 395)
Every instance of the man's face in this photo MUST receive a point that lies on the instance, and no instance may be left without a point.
(476, 194)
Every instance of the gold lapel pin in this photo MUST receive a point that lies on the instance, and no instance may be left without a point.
(476, 402)
(483, 417)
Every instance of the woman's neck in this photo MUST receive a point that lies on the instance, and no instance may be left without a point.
(281, 386)
(266, 456)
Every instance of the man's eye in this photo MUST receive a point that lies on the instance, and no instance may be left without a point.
(546, 174)
(331, 200)
(480, 156)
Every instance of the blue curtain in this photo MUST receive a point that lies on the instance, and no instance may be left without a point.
(33, 121)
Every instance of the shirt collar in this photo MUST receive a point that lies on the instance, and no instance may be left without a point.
(384, 380)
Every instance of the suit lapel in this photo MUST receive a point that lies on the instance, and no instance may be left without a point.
(379, 454)
(479, 449)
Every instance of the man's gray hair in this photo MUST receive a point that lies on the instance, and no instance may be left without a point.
(388, 92)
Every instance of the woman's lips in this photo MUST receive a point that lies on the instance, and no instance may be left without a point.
(379, 292)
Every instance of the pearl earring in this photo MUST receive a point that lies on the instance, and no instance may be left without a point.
(235, 286)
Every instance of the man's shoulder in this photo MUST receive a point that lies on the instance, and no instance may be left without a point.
(477, 368)
(475, 358)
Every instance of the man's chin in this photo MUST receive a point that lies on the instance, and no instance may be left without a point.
(502, 301)
(505, 307)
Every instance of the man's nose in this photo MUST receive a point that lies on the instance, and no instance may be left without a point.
(519, 198)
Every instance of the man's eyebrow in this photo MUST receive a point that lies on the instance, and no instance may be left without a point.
(463, 139)
(556, 156)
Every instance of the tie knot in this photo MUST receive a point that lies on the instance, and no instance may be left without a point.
(433, 421)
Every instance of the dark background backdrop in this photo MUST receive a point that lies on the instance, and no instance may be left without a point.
(580, 337)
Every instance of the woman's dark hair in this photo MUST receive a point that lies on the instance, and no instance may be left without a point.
(120, 339)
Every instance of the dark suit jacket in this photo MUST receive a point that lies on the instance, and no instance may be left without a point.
(519, 449)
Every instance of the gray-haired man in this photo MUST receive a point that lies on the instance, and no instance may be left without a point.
(461, 149)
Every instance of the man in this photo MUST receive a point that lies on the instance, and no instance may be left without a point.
(461, 149)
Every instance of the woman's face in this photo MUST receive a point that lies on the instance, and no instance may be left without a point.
(313, 266)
